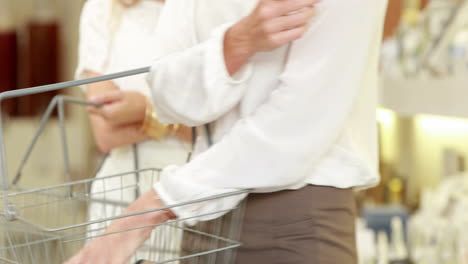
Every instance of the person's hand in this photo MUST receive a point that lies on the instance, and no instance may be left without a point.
(120, 107)
(117, 247)
(275, 23)
(272, 24)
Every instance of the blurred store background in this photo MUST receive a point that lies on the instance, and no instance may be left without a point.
(38, 44)
(419, 212)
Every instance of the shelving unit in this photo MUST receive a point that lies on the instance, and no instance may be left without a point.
(443, 97)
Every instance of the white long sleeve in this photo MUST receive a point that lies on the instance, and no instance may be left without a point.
(294, 137)
(190, 82)
(93, 51)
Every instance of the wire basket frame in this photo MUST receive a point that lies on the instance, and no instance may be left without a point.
(49, 225)
(5, 185)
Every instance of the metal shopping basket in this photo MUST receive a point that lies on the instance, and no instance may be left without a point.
(50, 224)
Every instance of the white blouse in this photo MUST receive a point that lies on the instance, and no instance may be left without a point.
(130, 45)
(290, 118)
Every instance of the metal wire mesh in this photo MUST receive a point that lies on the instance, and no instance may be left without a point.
(49, 225)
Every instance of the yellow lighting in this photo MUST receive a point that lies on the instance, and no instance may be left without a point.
(442, 124)
(385, 117)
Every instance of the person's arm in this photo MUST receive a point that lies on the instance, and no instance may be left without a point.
(98, 250)
(108, 129)
(194, 83)
(284, 139)
(107, 135)
(93, 53)
(197, 83)
(118, 243)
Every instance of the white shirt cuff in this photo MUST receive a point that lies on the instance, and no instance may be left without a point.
(174, 189)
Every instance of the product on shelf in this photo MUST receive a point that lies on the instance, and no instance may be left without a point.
(437, 231)
(398, 246)
(382, 248)
(429, 43)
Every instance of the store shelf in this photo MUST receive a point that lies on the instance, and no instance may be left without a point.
(436, 97)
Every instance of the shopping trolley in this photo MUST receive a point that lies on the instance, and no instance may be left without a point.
(50, 224)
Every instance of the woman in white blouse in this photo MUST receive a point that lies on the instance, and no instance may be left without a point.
(117, 35)
(291, 97)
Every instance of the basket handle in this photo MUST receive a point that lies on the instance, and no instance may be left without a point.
(4, 185)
